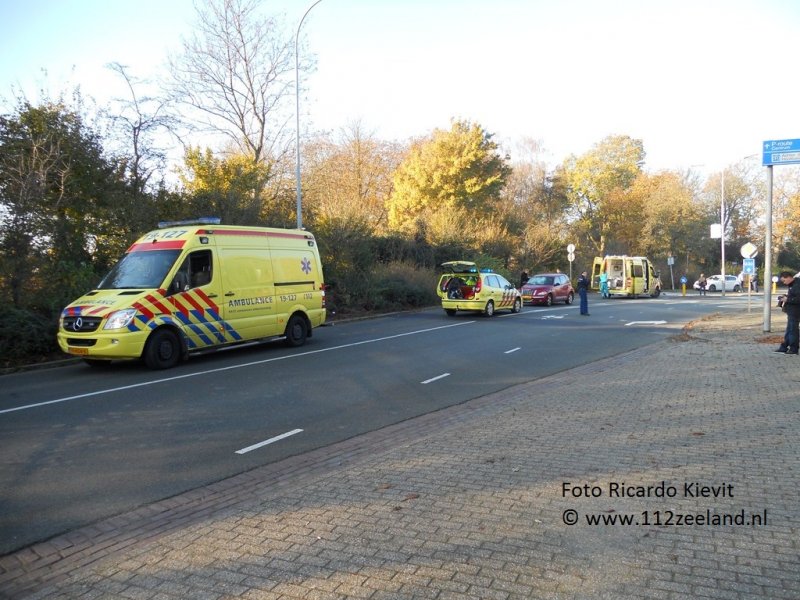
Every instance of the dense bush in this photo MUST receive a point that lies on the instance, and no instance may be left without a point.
(26, 337)
(402, 285)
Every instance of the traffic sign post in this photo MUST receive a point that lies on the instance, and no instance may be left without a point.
(749, 269)
(570, 258)
(775, 152)
(749, 250)
(670, 262)
(781, 152)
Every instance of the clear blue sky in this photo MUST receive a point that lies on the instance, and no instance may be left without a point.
(700, 81)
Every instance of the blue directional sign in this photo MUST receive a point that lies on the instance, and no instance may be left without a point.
(749, 266)
(781, 152)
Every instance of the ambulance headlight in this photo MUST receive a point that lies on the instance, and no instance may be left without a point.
(120, 319)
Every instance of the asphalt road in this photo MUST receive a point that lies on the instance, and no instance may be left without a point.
(80, 444)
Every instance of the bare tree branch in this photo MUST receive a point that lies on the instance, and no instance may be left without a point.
(141, 119)
(236, 74)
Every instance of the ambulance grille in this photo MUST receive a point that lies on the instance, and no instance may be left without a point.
(81, 324)
(81, 342)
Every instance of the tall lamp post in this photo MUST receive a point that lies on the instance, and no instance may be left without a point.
(297, 116)
(722, 228)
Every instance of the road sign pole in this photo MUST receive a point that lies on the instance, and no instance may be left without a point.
(570, 258)
(722, 230)
(775, 152)
(768, 256)
(749, 267)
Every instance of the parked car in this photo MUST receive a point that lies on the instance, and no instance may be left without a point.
(548, 288)
(463, 286)
(714, 283)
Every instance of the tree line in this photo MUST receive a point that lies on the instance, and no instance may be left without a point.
(78, 186)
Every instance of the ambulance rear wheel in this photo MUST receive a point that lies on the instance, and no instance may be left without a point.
(296, 331)
(489, 310)
(163, 350)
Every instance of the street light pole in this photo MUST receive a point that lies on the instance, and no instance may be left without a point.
(297, 116)
(722, 228)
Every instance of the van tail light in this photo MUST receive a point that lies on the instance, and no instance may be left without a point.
(322, 289)
(478, 285)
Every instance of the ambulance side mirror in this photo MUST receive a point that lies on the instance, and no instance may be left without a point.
(179, 284)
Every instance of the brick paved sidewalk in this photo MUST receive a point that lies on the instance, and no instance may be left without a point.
(470, 502)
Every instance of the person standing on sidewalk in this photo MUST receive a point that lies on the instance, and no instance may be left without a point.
(583, 290)
(790, 302)
(701, 284)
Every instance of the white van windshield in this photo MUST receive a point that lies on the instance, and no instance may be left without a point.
(140, 270)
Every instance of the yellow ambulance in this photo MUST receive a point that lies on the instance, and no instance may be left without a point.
(195, 285)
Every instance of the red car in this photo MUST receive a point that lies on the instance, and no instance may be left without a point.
(547, 288)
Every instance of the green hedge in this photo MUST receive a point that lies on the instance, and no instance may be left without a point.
(26, 337)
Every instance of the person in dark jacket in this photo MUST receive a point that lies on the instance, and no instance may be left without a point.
(583, 290)
(701, 284)
(790, 302)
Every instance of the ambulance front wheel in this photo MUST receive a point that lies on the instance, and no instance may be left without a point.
(296, 331)
(163, 350)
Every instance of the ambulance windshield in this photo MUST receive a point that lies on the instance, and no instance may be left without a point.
(140, 270)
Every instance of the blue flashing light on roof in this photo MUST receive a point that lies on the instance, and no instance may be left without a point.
(198, 221)
(487, 270)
